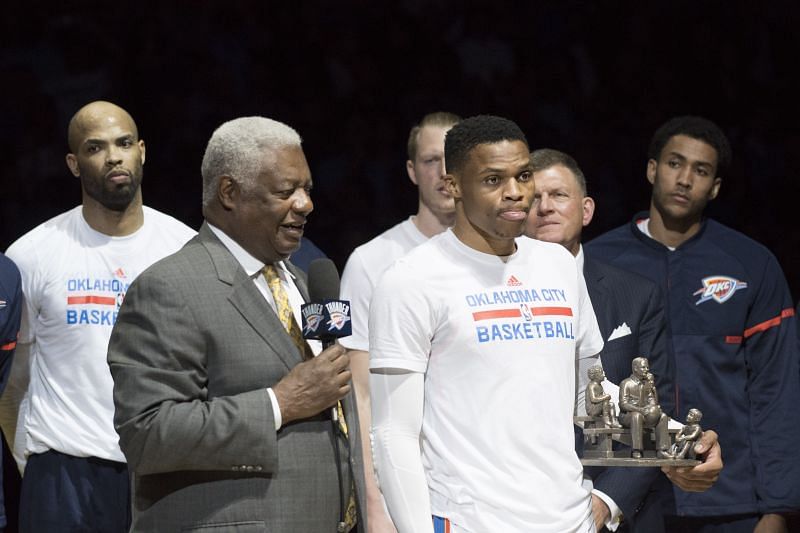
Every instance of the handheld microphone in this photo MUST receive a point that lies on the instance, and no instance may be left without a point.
(325, 317)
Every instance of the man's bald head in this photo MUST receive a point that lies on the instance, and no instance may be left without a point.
(96, 115)
(107, 155)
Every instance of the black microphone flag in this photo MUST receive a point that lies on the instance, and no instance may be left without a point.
(325, 317)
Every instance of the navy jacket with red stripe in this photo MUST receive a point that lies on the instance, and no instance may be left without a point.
(10, 312)
(730, 319)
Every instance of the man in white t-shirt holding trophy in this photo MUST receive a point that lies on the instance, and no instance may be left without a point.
(480, 331)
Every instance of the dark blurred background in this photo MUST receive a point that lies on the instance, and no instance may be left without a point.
(592, 78)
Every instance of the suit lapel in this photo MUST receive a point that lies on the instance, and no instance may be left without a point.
(299, 279)
(598, 294)
(248, 301)
(257, 312)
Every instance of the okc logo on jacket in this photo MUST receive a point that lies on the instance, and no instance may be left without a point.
(718, 288)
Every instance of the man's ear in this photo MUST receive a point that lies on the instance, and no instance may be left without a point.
(72, 163)
(141, 149)
(715, 188)
(412, 173)
(451, 183)
(652, 165)
(588, 210)
(228, 192)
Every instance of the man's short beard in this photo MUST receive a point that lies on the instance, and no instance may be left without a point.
(117, 199)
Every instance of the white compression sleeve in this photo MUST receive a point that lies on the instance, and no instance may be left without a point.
(397, 406)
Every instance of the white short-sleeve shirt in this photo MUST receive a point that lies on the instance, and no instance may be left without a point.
(497, 339)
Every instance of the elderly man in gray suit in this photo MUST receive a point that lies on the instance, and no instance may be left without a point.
(223, 411)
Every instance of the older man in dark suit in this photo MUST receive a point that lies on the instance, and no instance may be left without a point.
(629, 310)
(223, 410)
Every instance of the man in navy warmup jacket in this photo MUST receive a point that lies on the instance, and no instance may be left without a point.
(10, 312)
(732, 326)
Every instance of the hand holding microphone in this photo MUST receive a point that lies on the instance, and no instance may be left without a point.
(319, 383)
(327, 318)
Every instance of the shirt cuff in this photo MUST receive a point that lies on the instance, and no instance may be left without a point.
(615, 516)
(276, 409)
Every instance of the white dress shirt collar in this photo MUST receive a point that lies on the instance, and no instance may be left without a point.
(579, 258)
(250, 264)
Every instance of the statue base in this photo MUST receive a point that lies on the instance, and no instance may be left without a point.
(643, 462)
(598, 448)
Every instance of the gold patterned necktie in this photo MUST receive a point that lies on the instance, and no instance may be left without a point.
(350, 514)
(285, 314)
(284, 310)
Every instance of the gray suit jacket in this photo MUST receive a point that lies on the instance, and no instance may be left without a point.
(194, 348)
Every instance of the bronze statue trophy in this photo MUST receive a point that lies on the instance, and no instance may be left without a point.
(683, 447)
(642, 426)
(598, 402)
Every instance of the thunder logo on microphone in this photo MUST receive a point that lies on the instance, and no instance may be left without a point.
(331, 319)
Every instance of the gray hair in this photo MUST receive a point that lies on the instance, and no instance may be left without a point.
(237, 149)
(544, 158)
